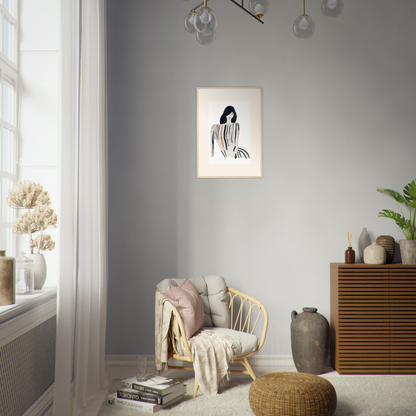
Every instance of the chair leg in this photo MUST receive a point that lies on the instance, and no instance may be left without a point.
(249, 369)
(196, 388)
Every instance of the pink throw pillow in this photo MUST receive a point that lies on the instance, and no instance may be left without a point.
(186, 299)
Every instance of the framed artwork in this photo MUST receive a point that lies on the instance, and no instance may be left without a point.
(229, 132)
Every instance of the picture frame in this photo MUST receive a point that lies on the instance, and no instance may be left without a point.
(229, 132)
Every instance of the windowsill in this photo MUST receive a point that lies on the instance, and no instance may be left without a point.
(25, 303)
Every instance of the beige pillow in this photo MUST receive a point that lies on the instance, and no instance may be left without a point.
(187, 301)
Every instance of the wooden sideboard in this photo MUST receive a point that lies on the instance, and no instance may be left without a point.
(373, 318)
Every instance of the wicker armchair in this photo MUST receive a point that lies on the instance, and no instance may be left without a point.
(245, 313)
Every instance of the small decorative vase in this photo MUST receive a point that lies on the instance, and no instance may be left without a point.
(363, 241)
(7, 279)
(309, 332)
(349, 255)
(408, 251)
(387, 241)
(40, 269)
(374, 254)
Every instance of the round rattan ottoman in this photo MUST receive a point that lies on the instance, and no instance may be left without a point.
(292, 394)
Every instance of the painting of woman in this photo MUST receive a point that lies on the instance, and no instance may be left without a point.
(226, 135)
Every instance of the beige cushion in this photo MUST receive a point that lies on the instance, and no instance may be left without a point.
(243, 343)
(187, 301)
(213, 292)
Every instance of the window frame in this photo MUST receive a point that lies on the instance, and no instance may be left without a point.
(9, 71)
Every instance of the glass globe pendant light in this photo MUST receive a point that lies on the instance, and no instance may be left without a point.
(189, 22)
(332, 8)
(205, 39)
(258, 7)
(205, 21)
(304, 26)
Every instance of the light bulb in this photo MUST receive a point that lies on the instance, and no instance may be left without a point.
(303, 24)
(205, 16)
(332, 8)
(258, 7)
(189, 22)
(205, 39)
(303, 27)
(205, 21)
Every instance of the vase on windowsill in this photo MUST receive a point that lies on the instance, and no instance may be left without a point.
(38, 217)
(40, 269)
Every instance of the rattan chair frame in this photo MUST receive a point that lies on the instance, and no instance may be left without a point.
(245, 313)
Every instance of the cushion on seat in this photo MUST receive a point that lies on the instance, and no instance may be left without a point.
(243, 342)
(213, 292)
(189, 304)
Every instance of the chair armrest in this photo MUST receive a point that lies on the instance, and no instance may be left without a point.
(242, 322)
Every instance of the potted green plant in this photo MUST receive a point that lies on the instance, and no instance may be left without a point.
(407, 199)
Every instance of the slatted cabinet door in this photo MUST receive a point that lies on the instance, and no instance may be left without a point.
(373, 325)
(402, 320)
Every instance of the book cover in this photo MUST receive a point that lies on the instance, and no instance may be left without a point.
(143, 406)
(157, 385)
(142, 396)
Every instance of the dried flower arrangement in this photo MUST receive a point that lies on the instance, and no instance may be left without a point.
(39, 216)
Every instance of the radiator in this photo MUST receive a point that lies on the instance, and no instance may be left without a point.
(27, 364)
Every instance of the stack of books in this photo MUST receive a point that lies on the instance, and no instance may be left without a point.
(151, 395)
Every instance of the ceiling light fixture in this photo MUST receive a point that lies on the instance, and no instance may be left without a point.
(304, 26)
(202, 21)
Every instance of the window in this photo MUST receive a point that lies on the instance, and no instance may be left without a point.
(8, 118)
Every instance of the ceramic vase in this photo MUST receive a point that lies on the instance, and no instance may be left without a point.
(374, 254)
(309, 332)
(363, 241)
(40, 269)
(387, 241)
(7, 279)
(408, 251)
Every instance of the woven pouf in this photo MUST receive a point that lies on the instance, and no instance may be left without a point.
(292, 394)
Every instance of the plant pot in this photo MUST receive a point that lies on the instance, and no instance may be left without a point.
(40, 269)
(408, 251)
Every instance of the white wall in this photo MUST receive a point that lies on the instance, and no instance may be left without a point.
(338, 121)
(39, 108)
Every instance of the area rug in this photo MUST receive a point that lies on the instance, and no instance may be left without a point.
(357, 396)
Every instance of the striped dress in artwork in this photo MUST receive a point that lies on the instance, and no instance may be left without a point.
(226, 136)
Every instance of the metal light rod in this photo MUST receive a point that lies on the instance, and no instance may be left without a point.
(247, 11)
(241, 6)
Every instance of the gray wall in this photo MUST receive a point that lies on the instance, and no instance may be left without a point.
(338, 120)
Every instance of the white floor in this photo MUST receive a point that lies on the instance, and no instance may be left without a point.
(125, 372)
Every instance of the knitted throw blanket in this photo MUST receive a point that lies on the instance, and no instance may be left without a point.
(212, 353)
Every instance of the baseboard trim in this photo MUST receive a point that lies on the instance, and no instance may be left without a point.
(255, 360)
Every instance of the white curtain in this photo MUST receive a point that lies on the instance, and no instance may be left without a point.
(82, 291)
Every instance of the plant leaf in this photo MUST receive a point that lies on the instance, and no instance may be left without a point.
(400, 220)
(396, 195)
(409, 192)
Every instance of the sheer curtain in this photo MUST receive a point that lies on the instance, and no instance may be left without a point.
(82, 291)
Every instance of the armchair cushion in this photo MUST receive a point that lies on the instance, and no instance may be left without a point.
(243, 343)
(213, 292)
(186, 299)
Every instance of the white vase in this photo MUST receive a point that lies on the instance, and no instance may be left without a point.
(374, 254)
(40, 269)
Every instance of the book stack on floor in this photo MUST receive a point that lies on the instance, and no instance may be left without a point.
(150, 395)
